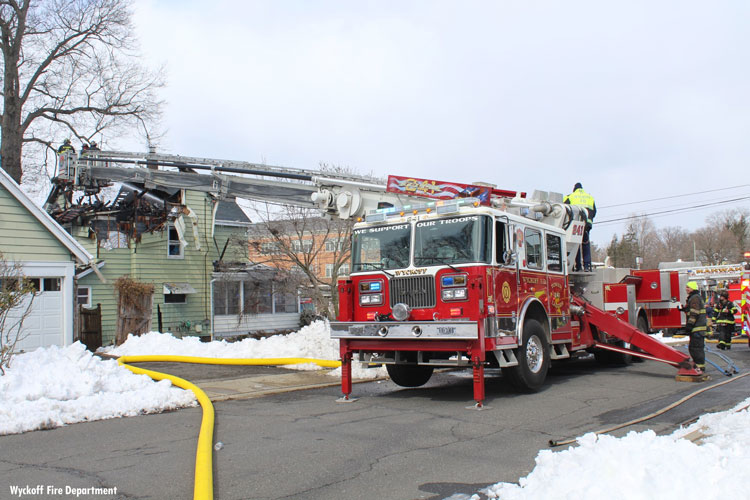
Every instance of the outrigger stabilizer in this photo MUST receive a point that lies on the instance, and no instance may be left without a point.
(653, 349)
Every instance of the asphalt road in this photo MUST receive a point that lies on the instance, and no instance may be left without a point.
(392, 443)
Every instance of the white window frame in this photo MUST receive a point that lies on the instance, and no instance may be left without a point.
(171, 243)
(88, 296)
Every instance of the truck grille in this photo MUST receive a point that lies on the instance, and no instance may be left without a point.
(415, 291)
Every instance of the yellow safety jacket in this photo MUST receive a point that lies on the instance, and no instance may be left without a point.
(581, 197)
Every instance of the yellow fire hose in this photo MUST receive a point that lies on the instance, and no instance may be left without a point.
(204, 487)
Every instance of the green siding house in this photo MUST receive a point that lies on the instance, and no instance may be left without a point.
(46, 254)
(183, 243)
(176, 258)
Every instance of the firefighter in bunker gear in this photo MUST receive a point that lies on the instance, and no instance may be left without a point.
(582, 198)
(66, 147)
(723, 318)
(695, 324)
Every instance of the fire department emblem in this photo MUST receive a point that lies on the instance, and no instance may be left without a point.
(506, 292)
(557, 297)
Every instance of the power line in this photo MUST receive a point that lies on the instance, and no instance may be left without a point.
(674, 210)
(672, 206)
(672, 197)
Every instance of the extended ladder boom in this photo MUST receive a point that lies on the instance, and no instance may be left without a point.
(344, 195)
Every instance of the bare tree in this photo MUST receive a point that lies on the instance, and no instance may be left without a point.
(737, 222)
(714, 247)
(296, 239)
(674, 244)
(642, 233)
(16, 298)
(69, 70)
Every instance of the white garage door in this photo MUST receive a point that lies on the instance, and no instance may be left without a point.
(43, 326)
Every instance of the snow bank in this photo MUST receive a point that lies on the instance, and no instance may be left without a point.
(644, 465)
(54, 386)
(313, 341)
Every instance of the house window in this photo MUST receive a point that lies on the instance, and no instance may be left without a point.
(256, 297)
(174, 246)
(52, 284)
(285, 302)
(269, 247)
(83, 296)
(175, 298)
(301, 246)
(226, 297)
(334, 245)
(343, 270)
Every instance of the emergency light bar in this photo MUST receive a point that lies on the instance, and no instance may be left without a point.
(440, 207)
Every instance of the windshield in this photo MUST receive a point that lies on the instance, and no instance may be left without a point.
(385, 247)
(453, 241)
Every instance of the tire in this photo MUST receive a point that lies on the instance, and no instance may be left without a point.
(409, 375)
(533, 359)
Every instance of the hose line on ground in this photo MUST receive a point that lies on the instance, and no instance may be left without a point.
(203, 488)
(651, 415)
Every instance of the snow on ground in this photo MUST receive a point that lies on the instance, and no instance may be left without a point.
(710, 463)
(313, 341)
(55, 386)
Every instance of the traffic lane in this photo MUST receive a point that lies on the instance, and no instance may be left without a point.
(423, 443)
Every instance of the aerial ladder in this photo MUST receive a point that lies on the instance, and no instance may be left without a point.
(425, 337)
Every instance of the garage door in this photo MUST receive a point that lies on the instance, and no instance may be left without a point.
(44, 325)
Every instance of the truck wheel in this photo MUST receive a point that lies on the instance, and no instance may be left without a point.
(409, 375)
(533, 359)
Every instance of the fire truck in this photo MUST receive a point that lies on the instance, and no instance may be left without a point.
(445, 274)
(734, 278)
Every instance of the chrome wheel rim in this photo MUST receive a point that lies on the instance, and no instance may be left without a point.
(534, 354)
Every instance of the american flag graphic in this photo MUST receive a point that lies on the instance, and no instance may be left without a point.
(436, 189)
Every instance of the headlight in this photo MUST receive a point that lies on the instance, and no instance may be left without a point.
(401, 312)
(371, 299)
(455, 294)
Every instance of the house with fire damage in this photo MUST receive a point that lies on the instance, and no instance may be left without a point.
(186, 244)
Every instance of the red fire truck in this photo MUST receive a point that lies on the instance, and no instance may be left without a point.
(445, 274)
(487, 281)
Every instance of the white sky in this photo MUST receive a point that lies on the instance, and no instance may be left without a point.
(637, 100)
(57, 386)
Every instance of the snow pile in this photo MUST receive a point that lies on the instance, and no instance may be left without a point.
(54, 386)
(713, 464)
(313, 341)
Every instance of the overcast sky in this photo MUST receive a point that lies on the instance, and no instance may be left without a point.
(637, 100)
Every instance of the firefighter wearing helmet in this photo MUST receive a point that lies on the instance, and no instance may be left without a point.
(723, 318)
(695, 324)
(582, 198)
